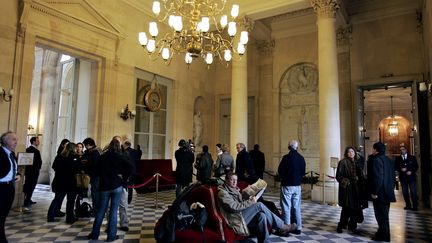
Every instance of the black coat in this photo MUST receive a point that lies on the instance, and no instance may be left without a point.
(381, 178)
(203, 164)
(258, 160)
(350, 180)
(5, 165)
(113, 169)
(244, 165)
(185, 159)
(65, 169)
(37, 162)
(410, 164)
(292, 169)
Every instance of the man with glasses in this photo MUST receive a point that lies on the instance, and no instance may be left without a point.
(407, 166)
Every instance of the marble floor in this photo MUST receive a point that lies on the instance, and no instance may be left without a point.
(319, 222)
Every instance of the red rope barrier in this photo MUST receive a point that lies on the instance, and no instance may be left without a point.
(143, 184)
(167, 179)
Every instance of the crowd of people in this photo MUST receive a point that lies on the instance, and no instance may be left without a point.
(112, 168)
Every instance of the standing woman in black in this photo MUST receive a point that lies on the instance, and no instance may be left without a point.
(66, 165)
(350, 183)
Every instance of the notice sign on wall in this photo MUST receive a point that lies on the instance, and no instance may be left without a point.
(25, 158)
(334, 162)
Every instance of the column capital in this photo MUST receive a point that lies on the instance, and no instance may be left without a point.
(344, 36)
(247, 23)
(265, 47)
(325, 8)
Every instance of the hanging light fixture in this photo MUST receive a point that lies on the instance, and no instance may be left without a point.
(393, 127)
(190, 35)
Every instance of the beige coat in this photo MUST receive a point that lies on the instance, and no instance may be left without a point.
(231, 204)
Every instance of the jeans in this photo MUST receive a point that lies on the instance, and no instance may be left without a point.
(123, 208)
(257, 217)
(94, 191)
(57, 202)
(113, 198)
(409, 191)
(290, 196)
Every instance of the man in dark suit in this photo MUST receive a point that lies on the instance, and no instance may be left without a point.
(244, 167)
(407, 166)
(381, 177)
(8, 177)
(32, 172)
(258, 160)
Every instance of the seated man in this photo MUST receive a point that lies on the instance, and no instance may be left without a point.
(243, 214)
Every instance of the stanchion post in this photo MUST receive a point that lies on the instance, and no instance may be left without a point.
(334, 188)
(157, 189)
(324, 185)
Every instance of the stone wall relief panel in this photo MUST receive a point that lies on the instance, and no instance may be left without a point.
(299, 111)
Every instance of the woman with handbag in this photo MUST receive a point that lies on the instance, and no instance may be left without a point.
(66, 165)
(350, 178)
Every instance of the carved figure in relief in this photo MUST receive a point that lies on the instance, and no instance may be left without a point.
(303, 129)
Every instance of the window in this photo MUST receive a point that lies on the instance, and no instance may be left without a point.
(151, 128)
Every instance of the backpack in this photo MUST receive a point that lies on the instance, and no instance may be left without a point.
(84, 210)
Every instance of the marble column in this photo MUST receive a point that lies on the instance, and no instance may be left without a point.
(329, 118)
(239, 101)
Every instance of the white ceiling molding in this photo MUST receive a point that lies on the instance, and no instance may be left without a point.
(261, 9)
(294, 24)
(78, 12)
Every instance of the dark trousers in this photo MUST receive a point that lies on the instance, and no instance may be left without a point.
(29, 186)
(349, 217)
(7, 193)
(381, 210)
(409, 191)
(57, 203)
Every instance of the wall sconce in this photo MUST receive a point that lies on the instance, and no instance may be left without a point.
(125, 113)
(425, 87)
(7, 96)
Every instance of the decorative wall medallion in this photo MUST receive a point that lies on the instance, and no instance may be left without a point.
(301, 78)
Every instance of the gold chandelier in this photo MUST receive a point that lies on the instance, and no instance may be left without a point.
(393, 126)
(190, 22)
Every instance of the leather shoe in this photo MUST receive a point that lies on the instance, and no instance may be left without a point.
(124, 228)
(406, 208)
(296, 232)
(414, 209)
(71, 221)
(32, 202)
(110, 240)
(284, 231)
(60, 214)
(92, 237)
(379, 238)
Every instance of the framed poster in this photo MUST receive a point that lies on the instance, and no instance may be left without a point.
(25, 158)
(334, 162)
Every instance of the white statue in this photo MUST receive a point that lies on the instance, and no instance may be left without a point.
(197, 129)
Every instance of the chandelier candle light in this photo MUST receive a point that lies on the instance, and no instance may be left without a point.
(191, 35)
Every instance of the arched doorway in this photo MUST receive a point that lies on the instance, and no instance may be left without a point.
(395, 131)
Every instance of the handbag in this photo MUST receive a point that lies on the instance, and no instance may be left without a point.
(83, 181)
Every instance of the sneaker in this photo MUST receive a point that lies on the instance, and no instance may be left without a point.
(124, 228)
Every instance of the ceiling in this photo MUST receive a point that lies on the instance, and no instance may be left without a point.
(380, 99)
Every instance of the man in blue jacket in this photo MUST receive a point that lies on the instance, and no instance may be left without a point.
(291, 171)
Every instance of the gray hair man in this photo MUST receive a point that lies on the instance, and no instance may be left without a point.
(291, 171)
